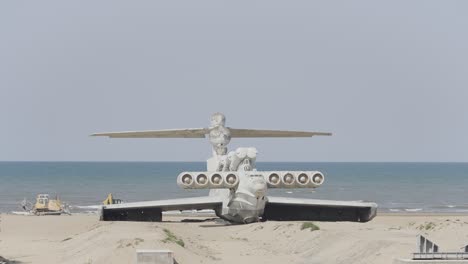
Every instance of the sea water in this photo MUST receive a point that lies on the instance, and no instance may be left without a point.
(396, 187)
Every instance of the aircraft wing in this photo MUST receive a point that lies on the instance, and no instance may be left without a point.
(201, 132)
(151, 211)
(169, 133)
(250, 133)
(297, 209)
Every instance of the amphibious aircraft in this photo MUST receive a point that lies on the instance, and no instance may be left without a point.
(238, 191)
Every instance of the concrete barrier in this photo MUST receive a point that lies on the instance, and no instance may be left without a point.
(149, 256)
(432, 261)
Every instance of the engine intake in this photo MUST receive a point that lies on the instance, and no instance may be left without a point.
(216, 179)
(231, 180)
(302, 178)
(318, 178)
(201, 179)
(273, 179)
(288, 179)
(187, 179)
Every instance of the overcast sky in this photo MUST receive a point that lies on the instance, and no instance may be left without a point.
(388, 78)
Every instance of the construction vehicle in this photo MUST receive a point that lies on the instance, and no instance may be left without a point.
(110, 200)
(46, 206)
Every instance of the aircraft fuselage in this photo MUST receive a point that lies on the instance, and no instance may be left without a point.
(246, 203)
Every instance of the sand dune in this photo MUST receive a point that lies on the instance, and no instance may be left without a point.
(83, 239)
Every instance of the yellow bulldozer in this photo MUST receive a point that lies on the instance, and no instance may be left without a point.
(110, 200)
(46, 206)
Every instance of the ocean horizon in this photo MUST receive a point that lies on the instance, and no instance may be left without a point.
(407, 187)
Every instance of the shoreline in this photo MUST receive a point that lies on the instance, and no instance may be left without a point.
(211, 214)
(420, 214)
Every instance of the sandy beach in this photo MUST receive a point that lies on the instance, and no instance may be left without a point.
(84, 239)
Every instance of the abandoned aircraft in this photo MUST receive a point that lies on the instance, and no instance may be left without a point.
(238, 191)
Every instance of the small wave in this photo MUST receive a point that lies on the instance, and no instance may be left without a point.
(413, 209)
(443, 206)
(90, 212)
(21, 213)
(394, 210)
(96, 207)
(289, 192)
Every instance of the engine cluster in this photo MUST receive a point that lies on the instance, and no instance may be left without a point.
(230, 180)
(293, 179)
(208, 180)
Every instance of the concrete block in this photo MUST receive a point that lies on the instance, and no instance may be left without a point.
(426, 246)
(430, 261)
(149, 256)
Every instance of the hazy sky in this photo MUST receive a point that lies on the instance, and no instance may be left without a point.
(388, 78)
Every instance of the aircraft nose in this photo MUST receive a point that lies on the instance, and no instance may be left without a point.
(260, 189)
(259, 193)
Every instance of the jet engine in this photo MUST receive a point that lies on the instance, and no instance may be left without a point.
(231, 180)
(216, 180)
(293, 179)
(317, 178)
(208, 180)
(185, 179)
(273, 180)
